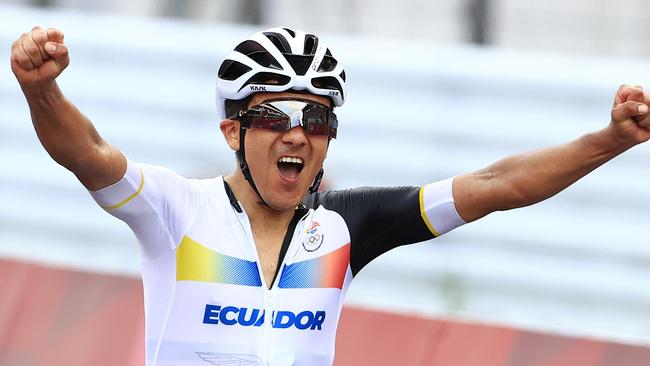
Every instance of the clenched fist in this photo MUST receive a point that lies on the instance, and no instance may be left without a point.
(39, 56)
(630, 115)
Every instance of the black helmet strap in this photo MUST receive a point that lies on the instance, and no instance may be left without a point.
(243, 165)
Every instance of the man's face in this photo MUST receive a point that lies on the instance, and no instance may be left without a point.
(270, 156)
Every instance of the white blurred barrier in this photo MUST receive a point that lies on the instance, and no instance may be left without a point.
(577, 264)
(604, 27)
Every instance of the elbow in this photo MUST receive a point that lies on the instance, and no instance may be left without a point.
(81, 160)
(499, 187)
(475, 195)
(483, 192)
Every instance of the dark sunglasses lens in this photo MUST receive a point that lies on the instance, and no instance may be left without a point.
(269, 120)
(317, 126)
(275, 124)
(318, 121)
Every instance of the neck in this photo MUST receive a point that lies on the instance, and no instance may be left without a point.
(260, 214)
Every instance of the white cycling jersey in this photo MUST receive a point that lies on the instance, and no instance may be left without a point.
(206, 302)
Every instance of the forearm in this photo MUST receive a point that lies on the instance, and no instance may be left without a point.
(37, 59)
(65, 133)
(528, 178)
(70, 138)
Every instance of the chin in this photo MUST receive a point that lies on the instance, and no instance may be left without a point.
(289, 201)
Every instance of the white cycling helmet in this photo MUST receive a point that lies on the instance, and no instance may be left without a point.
(276, 60)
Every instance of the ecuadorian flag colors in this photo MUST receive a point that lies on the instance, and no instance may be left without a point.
(195, 262)
(327, 271)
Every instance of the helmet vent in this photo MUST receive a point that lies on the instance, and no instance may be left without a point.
(300, 63)
(290, 31)
(258, 53)
(232, 70)
(311, 44)
(327, 82)
(328, 64)
(279, 41)
(267, 78)
(328, 53)
(342, 75)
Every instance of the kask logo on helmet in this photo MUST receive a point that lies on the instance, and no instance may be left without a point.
(232, 315)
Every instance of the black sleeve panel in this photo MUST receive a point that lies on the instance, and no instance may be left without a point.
(379, 219)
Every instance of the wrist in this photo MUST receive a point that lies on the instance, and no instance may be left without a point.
(608, 143)
(41, 93)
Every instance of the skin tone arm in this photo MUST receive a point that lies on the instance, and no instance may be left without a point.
(525, 179)
(37, 59)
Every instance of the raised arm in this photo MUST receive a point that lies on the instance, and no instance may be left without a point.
(37, 59)
(528, 178)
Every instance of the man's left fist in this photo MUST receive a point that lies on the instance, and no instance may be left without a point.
(631, 103)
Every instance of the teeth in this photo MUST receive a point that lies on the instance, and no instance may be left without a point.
(289, 159)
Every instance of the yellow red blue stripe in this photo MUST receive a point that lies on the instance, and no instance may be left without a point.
(196, 262)
(327, 271)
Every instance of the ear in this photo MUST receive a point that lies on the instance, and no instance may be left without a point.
(230, 130)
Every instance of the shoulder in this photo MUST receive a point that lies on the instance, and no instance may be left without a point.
(165, 185)
(361, 197)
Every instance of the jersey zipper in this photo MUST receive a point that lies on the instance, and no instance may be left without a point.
(296, 226)
(293, 234)
(244, 222)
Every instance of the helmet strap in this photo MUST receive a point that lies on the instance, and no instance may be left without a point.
(243, 165)
(319, 177)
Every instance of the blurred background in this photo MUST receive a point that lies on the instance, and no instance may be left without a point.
(435, 88)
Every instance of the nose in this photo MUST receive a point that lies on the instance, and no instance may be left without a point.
(296, 136)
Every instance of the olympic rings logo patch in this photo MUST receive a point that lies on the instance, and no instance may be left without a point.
(315, 239)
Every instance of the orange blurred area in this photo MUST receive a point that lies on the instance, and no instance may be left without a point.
(52, 316)
(60, 317)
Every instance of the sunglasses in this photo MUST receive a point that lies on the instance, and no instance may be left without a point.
(281, 116)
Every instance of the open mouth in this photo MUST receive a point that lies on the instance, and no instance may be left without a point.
(290, 167)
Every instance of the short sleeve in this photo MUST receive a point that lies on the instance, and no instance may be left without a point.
(437, 207)
(157, 204)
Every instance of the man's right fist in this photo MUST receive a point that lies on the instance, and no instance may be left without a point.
(39, 56)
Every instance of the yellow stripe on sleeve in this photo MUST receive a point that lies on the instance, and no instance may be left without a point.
(424, 214)
(113, 207)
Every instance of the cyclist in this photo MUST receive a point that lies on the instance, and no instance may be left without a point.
(252, 268)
